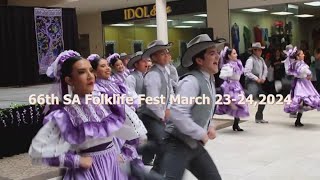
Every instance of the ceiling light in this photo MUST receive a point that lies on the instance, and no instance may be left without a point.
(183, 26)
(123, 25)
(193, 22)
(169, 20)
(314, 3)
(282, 13)
(304, 15)
(254, 10)
(291, 6)
(201, 15)
(151, 25)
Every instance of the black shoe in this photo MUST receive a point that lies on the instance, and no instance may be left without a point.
(236, 128)
(298, 124)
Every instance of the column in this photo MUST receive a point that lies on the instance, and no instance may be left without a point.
(218, 18)
(162, 26)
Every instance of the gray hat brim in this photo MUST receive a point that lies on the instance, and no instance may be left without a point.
(154, 49)
(133, 60)
(186, 59)
(125, 57)
(262, 47)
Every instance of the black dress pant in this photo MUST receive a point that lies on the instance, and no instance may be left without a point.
(179, 156)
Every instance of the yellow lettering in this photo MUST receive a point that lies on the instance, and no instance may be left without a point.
(169, 10)
(125, 15)
(146, 12)
(139, 12)
(130, 13)
(153, 11)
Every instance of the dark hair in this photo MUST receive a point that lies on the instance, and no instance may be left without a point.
(317, 51)
(294, 56)
(95, 62)
(114, 60)
(66, 70)
(194, 63)
(228, 52)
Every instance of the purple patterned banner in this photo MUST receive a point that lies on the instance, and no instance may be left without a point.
(49, 34)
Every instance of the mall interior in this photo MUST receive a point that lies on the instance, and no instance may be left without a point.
(32, 32)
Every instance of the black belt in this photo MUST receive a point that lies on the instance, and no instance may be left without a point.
(100, 147)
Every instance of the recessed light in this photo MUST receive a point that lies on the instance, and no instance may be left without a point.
(254, 10)
(314, 3)
(183, 26)
(123, 25)
(151, 25)
(169, 20)
(291, 6)
(193, 22)
(201, 15)
(304, 15)
(282, 13)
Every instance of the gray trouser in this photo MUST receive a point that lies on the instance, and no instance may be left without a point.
(255, 89)
(180, 156)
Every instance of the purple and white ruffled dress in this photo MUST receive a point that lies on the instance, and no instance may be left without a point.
(230, 73)
(133, 128)
(121, 76)
(302, 92)
(81, 130)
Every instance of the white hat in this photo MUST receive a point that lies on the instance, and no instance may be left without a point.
(198, 44)
(155, 46)
(256, 45)
(137, 57)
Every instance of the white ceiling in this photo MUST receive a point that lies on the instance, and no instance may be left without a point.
(84, 6)
(237, 4)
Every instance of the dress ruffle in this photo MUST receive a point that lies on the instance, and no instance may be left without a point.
(78, 134)
(234, 89)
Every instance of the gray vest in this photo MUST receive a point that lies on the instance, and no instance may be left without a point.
(200, 112)
(255, 70)
(163, 91)
(139, 82)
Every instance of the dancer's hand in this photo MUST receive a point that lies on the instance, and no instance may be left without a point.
(309, 77)
(258, 81)
(212, 132)
(85, 162)
(167, 114)
(120, 159)
(262, 81)
(205, 139)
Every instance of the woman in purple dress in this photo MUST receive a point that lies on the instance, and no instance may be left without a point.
(232, 90)
(134, 128)
(304, 97)
(119, 70)
(79, 136)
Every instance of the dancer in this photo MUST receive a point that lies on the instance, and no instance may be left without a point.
(79, 136)
(256, 73)
(154, 116)
(124, 57)
(134, 81)
(133, 129)
(119, 70)
(289, 80)
(190, 126)
(232, 90)
(304, 96)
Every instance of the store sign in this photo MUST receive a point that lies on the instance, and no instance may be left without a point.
(149, 11)
(142, 12)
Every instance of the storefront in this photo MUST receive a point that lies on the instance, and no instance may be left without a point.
(275, 26)
(132, 29)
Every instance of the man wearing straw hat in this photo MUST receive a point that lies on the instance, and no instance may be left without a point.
(190, 125)
(154, 115)
(256, 72)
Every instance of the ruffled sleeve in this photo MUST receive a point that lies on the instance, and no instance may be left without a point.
(303, 71)
(226, 72)
(48, 147)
